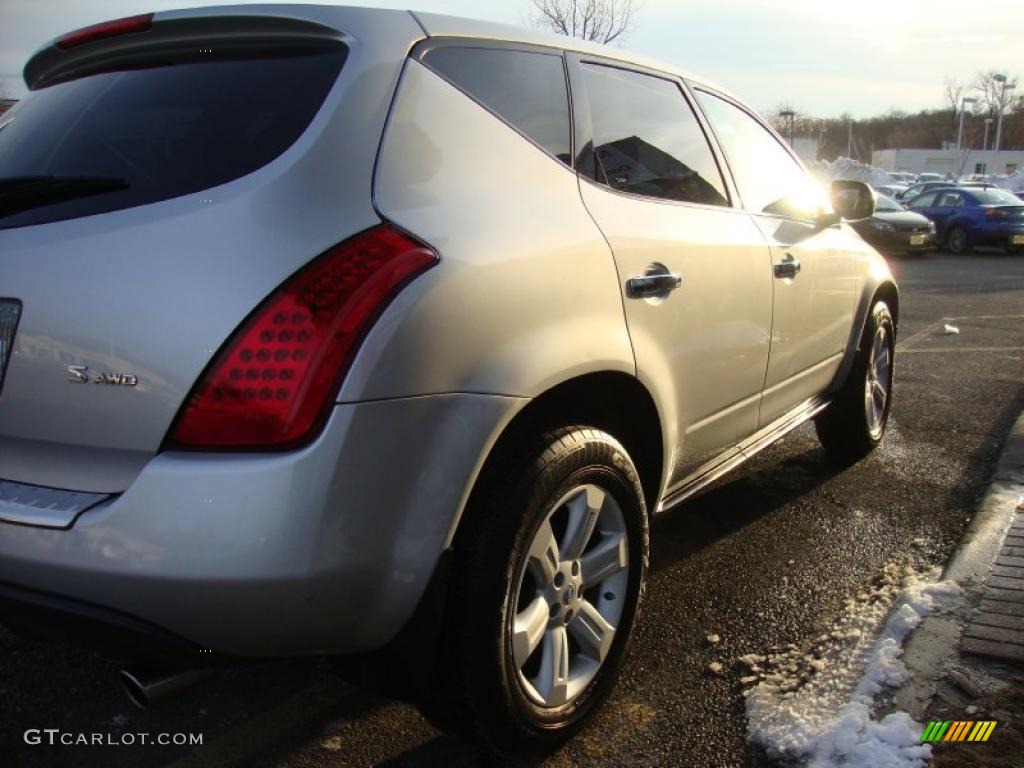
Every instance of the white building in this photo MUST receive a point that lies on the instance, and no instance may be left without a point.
(959, 162)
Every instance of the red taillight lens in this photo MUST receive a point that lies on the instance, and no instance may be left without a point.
(272, 384)
(996, 213)
(114, 28)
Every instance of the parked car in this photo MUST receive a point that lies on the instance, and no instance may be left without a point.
(319, 342)
(895, 230)
(934, 177)
(903, 178)
(966, 217)
(889, 190)
(920, 188)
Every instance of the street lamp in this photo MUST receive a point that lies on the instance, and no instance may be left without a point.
(963, 108)
(988, 122)
(789, 114)
(1001, 79)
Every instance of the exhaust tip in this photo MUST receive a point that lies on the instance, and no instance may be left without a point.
(134, 689)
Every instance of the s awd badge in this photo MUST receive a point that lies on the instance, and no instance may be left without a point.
(80, 375)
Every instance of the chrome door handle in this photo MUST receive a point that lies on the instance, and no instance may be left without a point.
(787, 268)
(657, 284)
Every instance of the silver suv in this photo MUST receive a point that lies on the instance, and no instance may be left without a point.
(335, 330)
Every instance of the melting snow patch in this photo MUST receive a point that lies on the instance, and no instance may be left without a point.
(814, 705)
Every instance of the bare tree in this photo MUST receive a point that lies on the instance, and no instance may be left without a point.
(992, 94)
(953, 90)
(602, 21)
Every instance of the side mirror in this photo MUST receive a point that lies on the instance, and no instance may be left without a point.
(853, 200)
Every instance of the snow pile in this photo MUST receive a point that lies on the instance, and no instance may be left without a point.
(846, 168)
(814, 705)
(1014, 183)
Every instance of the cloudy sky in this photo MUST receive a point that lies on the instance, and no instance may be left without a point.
(824, 57)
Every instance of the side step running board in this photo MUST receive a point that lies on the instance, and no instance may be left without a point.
(749, 448)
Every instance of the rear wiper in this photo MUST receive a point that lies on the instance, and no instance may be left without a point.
(20, 193)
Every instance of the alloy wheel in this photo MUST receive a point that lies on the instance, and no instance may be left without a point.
(878, 382)
(570, 594)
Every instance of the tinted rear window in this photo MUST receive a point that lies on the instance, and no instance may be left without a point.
(647, 141)
(527, 90)
(165, 131)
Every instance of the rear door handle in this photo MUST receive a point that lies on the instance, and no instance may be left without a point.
(787, 268)
(657, 284)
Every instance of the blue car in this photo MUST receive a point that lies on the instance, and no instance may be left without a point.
(966, 217)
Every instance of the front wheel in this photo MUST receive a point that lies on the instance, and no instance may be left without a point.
(855, 421)
(549, 571)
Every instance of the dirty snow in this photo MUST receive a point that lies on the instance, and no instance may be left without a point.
(814, 705)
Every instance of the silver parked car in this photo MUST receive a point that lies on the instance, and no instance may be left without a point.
(361, 332)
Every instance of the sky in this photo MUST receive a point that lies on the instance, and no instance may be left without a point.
(822, 57)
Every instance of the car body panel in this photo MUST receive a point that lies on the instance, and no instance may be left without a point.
(529, 289)
(813, 311)
(703, 348)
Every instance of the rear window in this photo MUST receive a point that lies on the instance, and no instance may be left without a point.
(995, 197)
(525, 89)
(157, 133)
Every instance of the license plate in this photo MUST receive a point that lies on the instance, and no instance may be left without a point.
(1018, 239)
(917, 239)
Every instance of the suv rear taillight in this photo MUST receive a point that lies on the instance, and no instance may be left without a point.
(272, 384)
(126, 26)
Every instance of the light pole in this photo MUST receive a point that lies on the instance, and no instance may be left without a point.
(963, 108)
(789, 114)
(988, 122)
(1002, 97)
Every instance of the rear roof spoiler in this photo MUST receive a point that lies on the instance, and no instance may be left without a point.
(124, 43)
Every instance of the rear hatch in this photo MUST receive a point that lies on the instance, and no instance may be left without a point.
(164, 175)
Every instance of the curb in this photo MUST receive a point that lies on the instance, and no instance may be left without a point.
(937, 638)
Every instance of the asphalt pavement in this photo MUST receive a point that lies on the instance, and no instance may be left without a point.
(763, 559)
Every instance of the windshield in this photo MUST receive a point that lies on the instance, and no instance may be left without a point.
(163, 132)
(887, 204)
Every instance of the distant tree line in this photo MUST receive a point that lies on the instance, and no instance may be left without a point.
(928, 129)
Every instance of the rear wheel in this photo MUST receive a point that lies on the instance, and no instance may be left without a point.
(549, 570)
(956, 240)
(855, 421)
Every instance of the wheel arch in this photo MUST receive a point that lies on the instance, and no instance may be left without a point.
(883, 288)
(614, 402)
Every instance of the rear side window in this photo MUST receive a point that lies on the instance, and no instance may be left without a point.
(924, 201)
(527, 90)
(120, 139)
(647, 141)
(768, 178)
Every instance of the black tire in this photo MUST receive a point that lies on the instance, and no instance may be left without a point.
(483, 696)
(1013, 250)
(846, 429)
(956, 241)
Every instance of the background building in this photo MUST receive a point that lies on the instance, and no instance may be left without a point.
(959, 162)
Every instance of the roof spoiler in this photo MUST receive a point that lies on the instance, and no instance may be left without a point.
(141, 40)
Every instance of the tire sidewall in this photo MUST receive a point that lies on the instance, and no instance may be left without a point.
(951, 239)
(491, 682)
(880, 316)
(556, 719)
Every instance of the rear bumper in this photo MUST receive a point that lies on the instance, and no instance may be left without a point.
(999, 235)
(326, 549)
